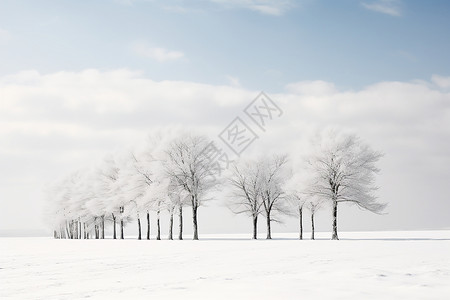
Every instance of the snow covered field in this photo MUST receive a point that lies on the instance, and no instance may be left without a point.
(368, 265)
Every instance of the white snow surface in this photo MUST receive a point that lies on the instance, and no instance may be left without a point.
(362, 265)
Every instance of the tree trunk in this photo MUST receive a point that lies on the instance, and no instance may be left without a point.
(180, 233)
(68, 230)
(171, 226)
(158, 226)
(139, 228)
(194, 222)
(335, 234)
(312, 225)
(121, 229)
(269, 231)
(255, 227)
(80, 227)
(97, 232)
(148, 225)
(114, 226)
(121, 210)
(300, 218)
(103, 227)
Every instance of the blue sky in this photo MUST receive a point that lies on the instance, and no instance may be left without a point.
(262, 45)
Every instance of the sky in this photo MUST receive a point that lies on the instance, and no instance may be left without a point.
(81, 79)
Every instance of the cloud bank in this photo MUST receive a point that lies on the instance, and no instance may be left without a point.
(51, 124)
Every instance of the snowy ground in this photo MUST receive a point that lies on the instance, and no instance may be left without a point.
(372, 265)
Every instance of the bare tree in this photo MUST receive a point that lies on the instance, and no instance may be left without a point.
(297, 203)
(313, 204)
(343, 169)
(274, 174)
(107, 189)
(246, 192)
(187, 166)
(158, 220)
(177, 197)
(140, 170)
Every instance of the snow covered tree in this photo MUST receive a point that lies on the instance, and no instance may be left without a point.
(187, 167)
(143, 178)
(245, 184)
(177, 198)
(313, 204)
(136, 181)
(297, 203)
(342, 170)
(108, 189)
(274, 174)
(258, 188)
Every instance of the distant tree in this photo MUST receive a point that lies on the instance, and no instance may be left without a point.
(141, 171)
(136, 183)
(108, 187)
(245, 181)
(297, 203)
(258, 188)
(274, 174)
(188, 168)
(313, 204)
(95, 202)
(177, 198)
(343, 169)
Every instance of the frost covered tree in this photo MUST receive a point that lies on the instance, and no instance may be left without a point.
(139, 182)
(177, 198)
(245, 182)
(258, 188)
(342, 170)
(96, 201)
(66, 206)
(297, 203)
(57, 214)
(109, 188)
(158, 194)
(313, 204)
(187, 167)
(273, 175)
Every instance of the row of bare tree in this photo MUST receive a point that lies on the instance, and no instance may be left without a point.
(340, 169)
(172, 172)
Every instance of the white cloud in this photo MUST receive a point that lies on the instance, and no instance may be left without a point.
(441, 81)
(388, 7)
(317, 87)
(157, 53)
(267, 7)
